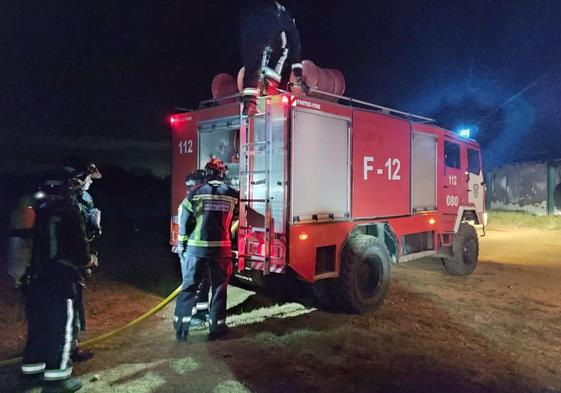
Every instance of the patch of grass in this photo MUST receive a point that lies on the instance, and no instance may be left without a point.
(184, 365)
(501, 219)
(231, 386)
(326, 345)
(125, 378)
(294, 339)
(288, 310)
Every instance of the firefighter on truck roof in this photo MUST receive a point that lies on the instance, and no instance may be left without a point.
(210, 210)
(200, 313)
(60, 250)
(268, 38)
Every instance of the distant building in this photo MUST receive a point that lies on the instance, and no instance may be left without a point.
(533, 187)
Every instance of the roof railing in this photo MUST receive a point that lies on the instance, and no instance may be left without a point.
(349, 100)
(216, 101)
(383, 109)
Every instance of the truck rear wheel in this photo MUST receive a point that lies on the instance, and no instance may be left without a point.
(465, 252)
(365, 275)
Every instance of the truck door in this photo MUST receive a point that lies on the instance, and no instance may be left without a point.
(453, 177)
(476, 188)
(423, 172)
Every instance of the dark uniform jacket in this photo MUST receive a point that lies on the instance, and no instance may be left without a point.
(60, 246)
(205, 217)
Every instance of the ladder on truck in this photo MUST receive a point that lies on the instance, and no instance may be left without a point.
(250, 149)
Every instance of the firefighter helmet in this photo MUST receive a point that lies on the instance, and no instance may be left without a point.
(60, 182)
(92, 170)
(215, 167)
(195, 177)
(88, 170)
(82, 168)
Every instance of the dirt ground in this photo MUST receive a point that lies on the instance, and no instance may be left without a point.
(494, 331)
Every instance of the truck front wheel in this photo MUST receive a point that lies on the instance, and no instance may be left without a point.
(465, 252)
(364, 276)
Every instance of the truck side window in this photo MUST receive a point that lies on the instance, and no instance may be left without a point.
(474, 164)
(452, 154)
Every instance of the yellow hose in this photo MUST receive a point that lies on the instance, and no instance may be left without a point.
(95, 340)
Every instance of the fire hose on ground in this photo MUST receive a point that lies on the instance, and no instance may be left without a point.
(103, 337)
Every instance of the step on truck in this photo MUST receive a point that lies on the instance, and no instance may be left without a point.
(335, 190)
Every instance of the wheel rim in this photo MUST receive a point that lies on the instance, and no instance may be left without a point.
(369, 276)
(468, 251)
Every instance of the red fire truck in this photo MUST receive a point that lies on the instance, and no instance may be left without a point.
(334, 190)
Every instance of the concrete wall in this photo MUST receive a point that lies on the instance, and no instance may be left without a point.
(533, 187)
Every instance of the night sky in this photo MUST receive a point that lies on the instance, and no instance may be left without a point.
(99, 78)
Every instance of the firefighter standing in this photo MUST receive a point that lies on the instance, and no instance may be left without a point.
(92, 215)
(200, 313)
(209, 212)
(268, 37)
(92, 221)
(60, 249)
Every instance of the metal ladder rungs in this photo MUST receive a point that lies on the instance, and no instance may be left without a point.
(258, 114)
(260, 143)
(254, 152)
(248, 152)
(255, 258)
(255, 229)
(254, 172)
(258, 182)
(261, 152)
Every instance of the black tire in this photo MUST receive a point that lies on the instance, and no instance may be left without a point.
(365, 275)
(465, 252)
(323, 293)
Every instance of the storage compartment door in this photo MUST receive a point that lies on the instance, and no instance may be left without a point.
(320, 167)
(381, 161)
(423, 172)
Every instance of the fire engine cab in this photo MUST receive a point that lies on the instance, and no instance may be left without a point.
(334, 190)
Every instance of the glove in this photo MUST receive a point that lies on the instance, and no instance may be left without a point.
(93, 262)
(180, 249)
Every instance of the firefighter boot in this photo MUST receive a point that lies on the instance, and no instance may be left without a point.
(64, 386)
(31, 374)
(181, 335)
(199, 321)
(79, 355)
(218, 333)
(30, 381)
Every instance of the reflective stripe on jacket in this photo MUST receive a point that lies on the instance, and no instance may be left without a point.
(205, 217)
